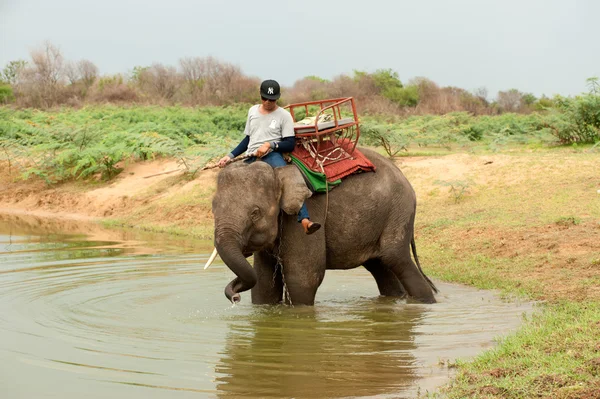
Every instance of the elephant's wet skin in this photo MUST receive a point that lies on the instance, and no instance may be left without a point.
(369, 222)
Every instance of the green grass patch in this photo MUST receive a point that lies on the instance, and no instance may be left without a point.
(555, 354)
(477, 269)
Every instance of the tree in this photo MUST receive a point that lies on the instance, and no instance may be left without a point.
(386, 80)
(194, 76)
(48, 64)
(209, 81)
(40, 82)
(529, 99)
(510, 101)
(482, 94)
(593, 85)
(316, 78)
(160, 80)
(84, 72)
(11, 71)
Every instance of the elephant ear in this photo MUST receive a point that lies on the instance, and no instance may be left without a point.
(293, 189)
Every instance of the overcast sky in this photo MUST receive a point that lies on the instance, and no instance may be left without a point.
(538, 46)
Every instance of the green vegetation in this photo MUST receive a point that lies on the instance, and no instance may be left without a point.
(574, 120)
(554, 355)
(458, 129)
(71, 143)
(6, 93)
(67, 143)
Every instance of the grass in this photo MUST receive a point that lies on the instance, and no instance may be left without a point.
(556, 354)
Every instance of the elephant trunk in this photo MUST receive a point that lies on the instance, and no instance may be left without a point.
(230, 251)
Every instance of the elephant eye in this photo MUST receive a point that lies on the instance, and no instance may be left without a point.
(256, 214)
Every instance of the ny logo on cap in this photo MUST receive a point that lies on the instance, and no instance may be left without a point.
(270, 91)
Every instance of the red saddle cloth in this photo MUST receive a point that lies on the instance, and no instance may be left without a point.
(338, 169)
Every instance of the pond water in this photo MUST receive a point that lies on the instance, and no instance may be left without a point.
(123, 315)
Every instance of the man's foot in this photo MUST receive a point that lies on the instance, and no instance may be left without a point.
(310, 227)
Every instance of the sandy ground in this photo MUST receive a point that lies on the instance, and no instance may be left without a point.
(72, 201)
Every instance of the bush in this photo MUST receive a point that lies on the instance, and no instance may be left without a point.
(112, 89)
(473, 133)
(578, 119)
(404, 96)
(6, 94)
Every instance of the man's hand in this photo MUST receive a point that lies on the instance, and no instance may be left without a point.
(263, 150)
(223, 161)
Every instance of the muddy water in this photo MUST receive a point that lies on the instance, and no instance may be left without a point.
(108, 314)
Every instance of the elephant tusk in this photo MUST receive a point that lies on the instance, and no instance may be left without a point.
(211, 259)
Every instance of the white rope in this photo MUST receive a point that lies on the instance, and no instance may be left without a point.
(324, 158)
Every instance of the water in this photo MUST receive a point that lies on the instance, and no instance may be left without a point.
(116, 314)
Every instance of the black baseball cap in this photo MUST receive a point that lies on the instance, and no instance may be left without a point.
(270, 90)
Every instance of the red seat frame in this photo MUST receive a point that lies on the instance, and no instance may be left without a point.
(339, 139)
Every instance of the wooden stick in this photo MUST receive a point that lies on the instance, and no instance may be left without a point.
(162, 173)
(204, 168)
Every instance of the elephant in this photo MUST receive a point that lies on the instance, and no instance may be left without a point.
(368, 220)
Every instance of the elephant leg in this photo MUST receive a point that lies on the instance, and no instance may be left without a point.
(387, 282)
(303, 259)
(303, 267)
(269, 287)
(300, 288)
(411, 278)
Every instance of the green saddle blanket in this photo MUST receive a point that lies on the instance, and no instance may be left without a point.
(316, 182)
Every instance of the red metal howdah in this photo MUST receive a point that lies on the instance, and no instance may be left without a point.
(332, 140)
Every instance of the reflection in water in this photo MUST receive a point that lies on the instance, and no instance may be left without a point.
(115, 314)
(303, 353)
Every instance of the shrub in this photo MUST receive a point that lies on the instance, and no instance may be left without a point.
(473, 133)
(112, 89)
(578, 119)
(99, 159)
(404, 96)
(6, 94)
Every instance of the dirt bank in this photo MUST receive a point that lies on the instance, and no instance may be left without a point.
(142, 183)
(137, 187)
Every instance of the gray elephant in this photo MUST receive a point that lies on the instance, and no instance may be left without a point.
(368, 220)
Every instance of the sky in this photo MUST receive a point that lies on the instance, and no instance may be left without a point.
(536, 46)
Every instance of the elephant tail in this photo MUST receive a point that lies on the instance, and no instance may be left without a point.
(414, 251)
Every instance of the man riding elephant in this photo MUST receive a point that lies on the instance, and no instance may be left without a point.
(269, 133)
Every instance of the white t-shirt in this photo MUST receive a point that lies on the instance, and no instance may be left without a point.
(270, 127)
